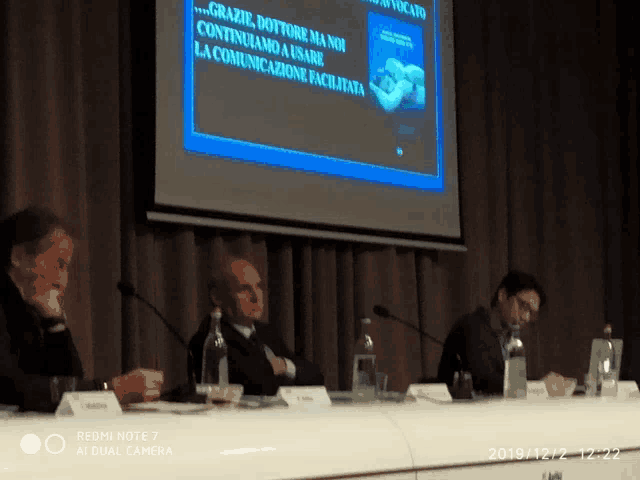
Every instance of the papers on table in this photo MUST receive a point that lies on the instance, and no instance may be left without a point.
(169, 407)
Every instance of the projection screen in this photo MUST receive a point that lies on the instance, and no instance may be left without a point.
(322, 118)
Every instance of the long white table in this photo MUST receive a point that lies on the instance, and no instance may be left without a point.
(492, 439)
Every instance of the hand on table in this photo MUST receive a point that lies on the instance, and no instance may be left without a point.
(556, 384)
(139, 385)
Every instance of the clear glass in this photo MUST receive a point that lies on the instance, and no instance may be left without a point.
(60, 384)
(462, 386)
(381, 382)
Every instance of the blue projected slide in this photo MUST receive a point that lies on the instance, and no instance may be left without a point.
(354, 96)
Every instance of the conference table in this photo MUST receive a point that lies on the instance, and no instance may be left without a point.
(390, 439)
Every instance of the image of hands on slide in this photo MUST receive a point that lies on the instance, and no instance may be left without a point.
(396, 64)
(400, 87)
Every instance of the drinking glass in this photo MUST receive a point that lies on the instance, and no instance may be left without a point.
(381, 382)
(61, 384)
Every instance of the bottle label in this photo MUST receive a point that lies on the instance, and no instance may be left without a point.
(609, 388)
(515, 378)
(224, 371)
(214, 362)
(364, 371)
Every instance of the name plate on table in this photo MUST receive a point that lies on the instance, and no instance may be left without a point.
(628, 389)
(430, 391)
(220, 394)
(304, 395)
(537, 389)
(89, 405)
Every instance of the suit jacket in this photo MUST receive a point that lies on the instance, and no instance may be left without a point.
(478, 346)
(30, 354)
(248, 364)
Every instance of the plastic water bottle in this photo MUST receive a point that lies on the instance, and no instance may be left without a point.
(364, 364)
(607, 384)
(215, 368)
(515, 369)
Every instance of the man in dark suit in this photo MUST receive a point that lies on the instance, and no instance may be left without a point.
(477, 342)
(36, 347)
(257, 358)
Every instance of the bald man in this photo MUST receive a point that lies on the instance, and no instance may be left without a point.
(258, 359)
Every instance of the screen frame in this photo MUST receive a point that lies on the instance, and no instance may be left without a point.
(141, 101)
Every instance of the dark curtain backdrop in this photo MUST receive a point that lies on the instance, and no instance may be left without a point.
(547, 132)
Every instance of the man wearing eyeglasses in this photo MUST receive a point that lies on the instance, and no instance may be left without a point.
(477, 342)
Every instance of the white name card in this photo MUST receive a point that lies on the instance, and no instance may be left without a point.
(628, 389)
(429, 391)
(89, 405)
(537, 389)
(304, 395)
(227, 394)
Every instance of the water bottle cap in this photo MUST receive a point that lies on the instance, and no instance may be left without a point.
(217, 314)
(607, 328)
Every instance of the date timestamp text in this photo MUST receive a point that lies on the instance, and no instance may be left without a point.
(498, 454)
(527, 453)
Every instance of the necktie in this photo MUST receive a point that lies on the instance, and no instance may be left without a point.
(253, 338)
(266, 350)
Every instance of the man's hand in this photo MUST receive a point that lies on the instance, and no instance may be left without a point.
(140, 385)
(279, 366)
(556, 384)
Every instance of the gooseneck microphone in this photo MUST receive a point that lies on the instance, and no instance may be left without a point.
(384, 312)
(129, 290)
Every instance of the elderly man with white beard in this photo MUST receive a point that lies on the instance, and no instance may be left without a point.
(36, 347)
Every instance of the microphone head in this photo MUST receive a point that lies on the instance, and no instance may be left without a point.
(126, 288)
(381, 311)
